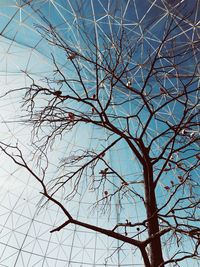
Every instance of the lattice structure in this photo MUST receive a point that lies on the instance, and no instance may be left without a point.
(25, 238)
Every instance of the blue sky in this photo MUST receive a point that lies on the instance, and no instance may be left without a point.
(24, 50)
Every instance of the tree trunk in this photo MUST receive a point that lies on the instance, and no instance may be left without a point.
(145, 257)
(156, 257)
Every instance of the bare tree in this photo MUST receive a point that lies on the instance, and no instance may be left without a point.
(96, 85)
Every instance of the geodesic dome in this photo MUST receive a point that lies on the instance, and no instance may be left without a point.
(25, 238)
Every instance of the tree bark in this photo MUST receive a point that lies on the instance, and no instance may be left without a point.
(156, 257)
(145, 257)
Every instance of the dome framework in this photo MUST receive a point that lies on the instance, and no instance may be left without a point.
(39, 36)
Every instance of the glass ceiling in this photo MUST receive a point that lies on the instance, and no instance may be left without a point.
(26, 51)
